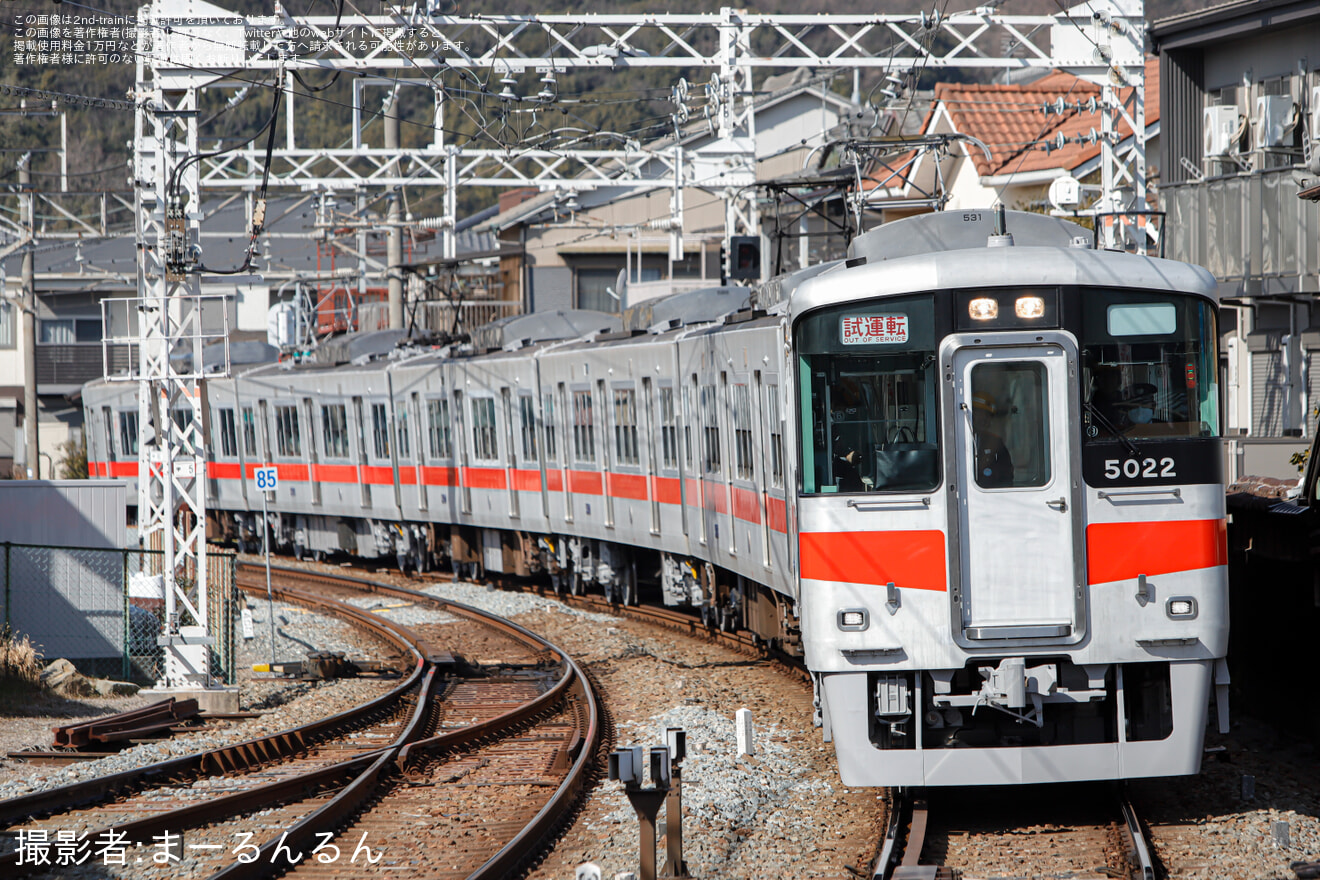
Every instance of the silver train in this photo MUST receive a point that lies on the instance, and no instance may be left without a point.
(972, 476)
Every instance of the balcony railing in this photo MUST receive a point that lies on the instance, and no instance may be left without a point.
(437, 317)
(1242, 227)
(76, 363)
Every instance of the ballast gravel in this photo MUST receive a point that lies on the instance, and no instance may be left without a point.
(779, 812)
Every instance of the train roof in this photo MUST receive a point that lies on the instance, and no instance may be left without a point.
(699, 306)
(943, 251)
(524, 330)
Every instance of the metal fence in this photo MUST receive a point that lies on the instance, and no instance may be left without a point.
(103, 609)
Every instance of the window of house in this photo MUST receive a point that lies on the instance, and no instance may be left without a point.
(334, 430)
(484, 444)
(380, 430)
(65, 331)
(625, 426)
(584, 429)
(594, 288)
(228, 432)
(288, 441)
(7, 316)
(438, 430)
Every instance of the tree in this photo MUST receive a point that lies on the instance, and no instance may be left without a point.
(73, 464)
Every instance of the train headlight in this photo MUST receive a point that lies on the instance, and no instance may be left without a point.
(1181, 608)
(854, 619)
(1030, 307)
(983, 308)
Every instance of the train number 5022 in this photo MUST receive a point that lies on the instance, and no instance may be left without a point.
(1145, 468)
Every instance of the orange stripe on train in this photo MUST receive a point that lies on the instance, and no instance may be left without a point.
(1122, 551)
(911, 559)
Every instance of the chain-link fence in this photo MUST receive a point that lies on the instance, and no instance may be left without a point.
(104, 609)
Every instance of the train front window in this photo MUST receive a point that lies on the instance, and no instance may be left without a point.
(867, 384)
(1148, 366)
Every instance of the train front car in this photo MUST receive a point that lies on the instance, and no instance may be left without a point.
(1011, 510)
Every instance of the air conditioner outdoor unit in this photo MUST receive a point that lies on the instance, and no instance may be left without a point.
(1273, 113)
(1221, 124)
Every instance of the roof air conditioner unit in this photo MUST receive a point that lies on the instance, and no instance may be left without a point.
(1221, 124)
(1315, 113)
(1273, 115)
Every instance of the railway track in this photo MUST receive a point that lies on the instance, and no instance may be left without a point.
(971, 834)
(523, 723)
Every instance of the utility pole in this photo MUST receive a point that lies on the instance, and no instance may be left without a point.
(394, 240)
(31, 449)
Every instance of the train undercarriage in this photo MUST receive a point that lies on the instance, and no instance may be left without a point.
(624, 575)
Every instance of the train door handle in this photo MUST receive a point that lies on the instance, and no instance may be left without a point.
(1059, 504)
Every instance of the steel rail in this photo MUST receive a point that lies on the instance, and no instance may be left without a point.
(339, 809)
(225, 759)
(1145, 865)
(527, 844)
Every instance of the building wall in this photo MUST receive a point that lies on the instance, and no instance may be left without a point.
(1247, 225)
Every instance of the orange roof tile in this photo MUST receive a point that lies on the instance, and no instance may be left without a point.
(1008, 119)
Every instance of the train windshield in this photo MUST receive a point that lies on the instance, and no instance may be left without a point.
(867, 397)
(1149, 366)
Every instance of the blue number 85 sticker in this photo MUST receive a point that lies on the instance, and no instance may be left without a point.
(267, 479)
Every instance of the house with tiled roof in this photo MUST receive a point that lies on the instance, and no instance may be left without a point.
(1011, 148)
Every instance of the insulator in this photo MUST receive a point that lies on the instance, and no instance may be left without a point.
(434, 223)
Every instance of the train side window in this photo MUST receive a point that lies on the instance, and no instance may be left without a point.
(404, 447)
(584, 431)
(128, 434)
(484, 439)
(625, 426)
(549, 427)
(228, 432)
(1149, 366)
(710, 421)
(288, 442)
(776, 427)
(438, 430)
(107, 421)
(334, 430)
(249, 433)
(742, 432)
(380, 430)
(527, 428)
(688, 419)
(668, 429)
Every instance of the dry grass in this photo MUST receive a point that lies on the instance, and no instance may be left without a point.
(20, 661)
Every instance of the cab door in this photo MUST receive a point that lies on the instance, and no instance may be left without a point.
(1017, 519)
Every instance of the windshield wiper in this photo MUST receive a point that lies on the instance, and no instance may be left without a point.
(1108, 425)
